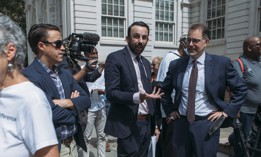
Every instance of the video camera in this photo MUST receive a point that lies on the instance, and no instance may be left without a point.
(77, 45)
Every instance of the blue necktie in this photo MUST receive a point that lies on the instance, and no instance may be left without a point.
(144, 78)
(192, 92)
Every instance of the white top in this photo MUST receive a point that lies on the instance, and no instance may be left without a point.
(97, 101)
(25, 121)
(164, 64)
(162, 73)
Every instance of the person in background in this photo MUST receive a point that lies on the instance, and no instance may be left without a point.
(164, 146)
(66, 97)
(128, 89)
(89, 72)
(155, 63)
(157, 116)
(26, 127)
(200, 81)
(96, 113)
(251, 74)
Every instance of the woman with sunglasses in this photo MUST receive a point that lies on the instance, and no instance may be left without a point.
(26, 127)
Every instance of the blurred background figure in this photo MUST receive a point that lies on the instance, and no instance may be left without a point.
(26, 127)
(96, 113)
(250, 72)
(155, 67)
(163, 68)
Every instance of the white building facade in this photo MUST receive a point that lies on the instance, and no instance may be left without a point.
(230, 21)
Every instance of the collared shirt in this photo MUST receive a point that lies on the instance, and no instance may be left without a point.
(97, 101)
(66, 131)
(143, 106)
(202, 104)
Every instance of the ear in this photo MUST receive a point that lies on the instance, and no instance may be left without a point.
(10, 51)
(249, 48)
(127, 39)
(41, 46)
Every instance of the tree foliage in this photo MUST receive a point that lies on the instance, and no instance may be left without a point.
(15, 10)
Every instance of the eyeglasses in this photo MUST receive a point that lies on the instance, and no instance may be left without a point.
(57, 44)
(194, 40)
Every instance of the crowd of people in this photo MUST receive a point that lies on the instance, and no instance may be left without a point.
(51, 109)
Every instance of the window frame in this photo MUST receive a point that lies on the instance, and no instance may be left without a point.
(165, 22)
(113, 17)
(214, 19)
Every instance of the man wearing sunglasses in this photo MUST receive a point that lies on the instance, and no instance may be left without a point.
(66, 97)
(200, 81)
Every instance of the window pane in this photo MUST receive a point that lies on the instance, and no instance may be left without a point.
(104, 9)
(122, 11)
(115, 32)
(116, 10)
(103, 31)
(109, 9)
(121, 32)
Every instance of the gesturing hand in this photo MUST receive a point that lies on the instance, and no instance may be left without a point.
(154, 95)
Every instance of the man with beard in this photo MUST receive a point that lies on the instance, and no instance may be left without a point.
(128, 89)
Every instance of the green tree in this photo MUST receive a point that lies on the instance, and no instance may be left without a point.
(15, 10)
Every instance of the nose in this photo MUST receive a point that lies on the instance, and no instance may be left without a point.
(62, 47)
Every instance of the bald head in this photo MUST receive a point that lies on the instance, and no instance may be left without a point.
(251, 47)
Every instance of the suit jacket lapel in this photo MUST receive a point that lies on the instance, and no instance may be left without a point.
(129, 62)
(209, 66)
(39, 68)
(181, 67)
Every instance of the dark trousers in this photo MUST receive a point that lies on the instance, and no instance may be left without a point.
(192, 139)
(137, 144)
(246, 121)
(162, 137)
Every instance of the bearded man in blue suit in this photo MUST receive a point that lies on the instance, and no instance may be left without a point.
(128, 89)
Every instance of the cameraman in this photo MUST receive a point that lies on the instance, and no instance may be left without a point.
(85, 43)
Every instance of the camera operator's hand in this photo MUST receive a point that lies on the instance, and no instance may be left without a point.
(91, 64)
(101, 67)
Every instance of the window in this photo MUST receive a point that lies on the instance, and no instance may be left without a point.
(259, 18)
(216, 18)
(164, 26)
(113, 18)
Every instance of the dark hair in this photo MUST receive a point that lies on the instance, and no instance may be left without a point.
(138, 23)
(39, 32)
(204, 28)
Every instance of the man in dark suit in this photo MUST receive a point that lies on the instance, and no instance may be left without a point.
(128, 89)
(65, 95)
(200, 81)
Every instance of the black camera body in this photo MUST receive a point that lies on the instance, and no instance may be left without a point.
(77, 45)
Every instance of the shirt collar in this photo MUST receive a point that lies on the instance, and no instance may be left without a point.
(49, 71)
(200, 60)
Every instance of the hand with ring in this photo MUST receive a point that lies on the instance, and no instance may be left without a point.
(173, 115)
